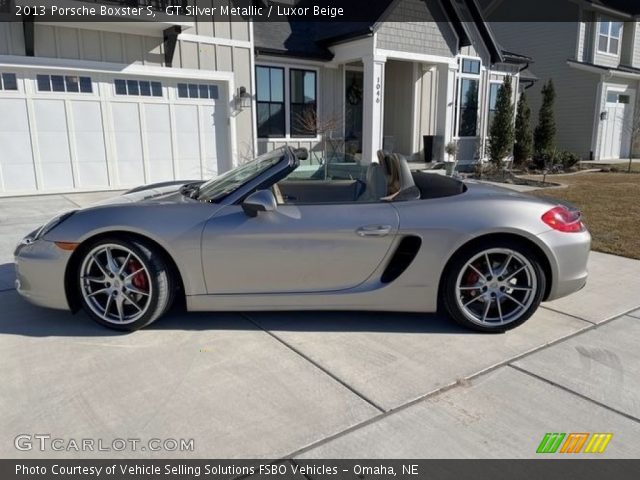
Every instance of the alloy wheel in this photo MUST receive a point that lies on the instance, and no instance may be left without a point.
(496, 287)
(115, 284)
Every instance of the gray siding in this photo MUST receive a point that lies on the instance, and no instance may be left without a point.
(551, 44)
(398, 99)
(635, 56)
(410, 27)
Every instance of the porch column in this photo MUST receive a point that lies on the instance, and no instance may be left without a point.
(373, 105)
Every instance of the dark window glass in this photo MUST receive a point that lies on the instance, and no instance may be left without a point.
(145, 89)
(204, 91)
(470, 66)
(183, 90)
(9, 81)
(57, 83)
(73, 84)
(121, 87)
(468, 102)
(85, 85)
(270, 101)
(302, 103)
(44, 83)
(493, 97)
(156, 89)
(133, 88)
(213, 92)
(193, 91)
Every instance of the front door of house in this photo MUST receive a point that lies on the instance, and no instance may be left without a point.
(616, 127)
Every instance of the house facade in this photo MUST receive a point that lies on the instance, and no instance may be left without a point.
(420, 68)
(595, 66)
(109, 105)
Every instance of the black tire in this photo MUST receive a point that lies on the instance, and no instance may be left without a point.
(453, 272)
(162, 285)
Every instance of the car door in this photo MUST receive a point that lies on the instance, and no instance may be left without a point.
(297, 248)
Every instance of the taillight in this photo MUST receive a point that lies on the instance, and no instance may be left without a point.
(564, 220)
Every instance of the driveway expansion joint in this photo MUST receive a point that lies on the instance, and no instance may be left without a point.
(569, 315)
(573, 392)
(315, 364)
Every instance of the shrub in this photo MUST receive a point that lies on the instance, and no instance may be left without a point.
(568, 160)
(545, 133)
(501, 134)
(523, 148)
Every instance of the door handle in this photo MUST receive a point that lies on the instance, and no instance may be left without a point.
(374, 230)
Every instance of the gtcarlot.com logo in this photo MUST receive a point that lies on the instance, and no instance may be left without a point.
(574, 443)
(46, 443)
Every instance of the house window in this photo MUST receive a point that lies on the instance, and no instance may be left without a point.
(493, 98)
(8, 81)
(64, 83)
(470, 66)
(270, 101)
(190, 90)
(302, 105)
(138, 88)
(609, 35)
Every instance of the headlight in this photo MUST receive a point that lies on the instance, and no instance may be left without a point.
(51, 224)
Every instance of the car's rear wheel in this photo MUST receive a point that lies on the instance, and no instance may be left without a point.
(124, 284)
(494, 287)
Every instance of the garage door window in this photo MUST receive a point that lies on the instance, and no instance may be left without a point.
(192, 90)
(8, 81)
(138, 88)
(64, 83)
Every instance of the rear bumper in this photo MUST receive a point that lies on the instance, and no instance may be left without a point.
(569, 254)
(40, 272)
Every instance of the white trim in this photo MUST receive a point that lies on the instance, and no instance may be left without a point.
(287, 100)
(44, 64)
(225, 42)
(607, 70)
(253, 92)
(416, 57)
(601, 19)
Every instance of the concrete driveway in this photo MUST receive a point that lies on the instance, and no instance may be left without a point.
(320, 385)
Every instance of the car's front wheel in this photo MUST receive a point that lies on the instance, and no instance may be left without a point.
(494, 287)
(123, 284)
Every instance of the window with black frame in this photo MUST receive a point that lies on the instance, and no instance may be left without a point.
(270, 101)
(468, 101)
(494, 88)
(303, 103)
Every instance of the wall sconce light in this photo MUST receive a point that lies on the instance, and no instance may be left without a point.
(243, 98)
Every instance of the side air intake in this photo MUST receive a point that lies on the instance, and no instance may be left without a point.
(402, 258)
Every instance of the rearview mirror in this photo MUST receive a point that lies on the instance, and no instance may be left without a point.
(260, 201)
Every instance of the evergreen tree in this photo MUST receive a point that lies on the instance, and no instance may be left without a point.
(501, 134)
(523, 148)
(545, 132)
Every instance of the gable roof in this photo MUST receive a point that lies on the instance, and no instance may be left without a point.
(630, 7)
(312, 39)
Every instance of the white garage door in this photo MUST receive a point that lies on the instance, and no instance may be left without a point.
(62, 132)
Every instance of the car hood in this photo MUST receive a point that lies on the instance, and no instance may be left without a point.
(165, 192)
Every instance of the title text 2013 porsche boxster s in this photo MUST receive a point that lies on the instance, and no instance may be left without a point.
(271, 235)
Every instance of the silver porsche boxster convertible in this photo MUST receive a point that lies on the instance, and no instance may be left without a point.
(273, 234)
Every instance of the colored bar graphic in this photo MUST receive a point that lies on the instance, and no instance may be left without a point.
(598, 443)
(550, 443)
(574, 442)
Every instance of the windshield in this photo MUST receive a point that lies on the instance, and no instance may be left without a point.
(221, 186)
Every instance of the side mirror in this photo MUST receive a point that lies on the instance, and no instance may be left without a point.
(260, 201)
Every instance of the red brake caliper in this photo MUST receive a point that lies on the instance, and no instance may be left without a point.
(471, 278)
(139, 280)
